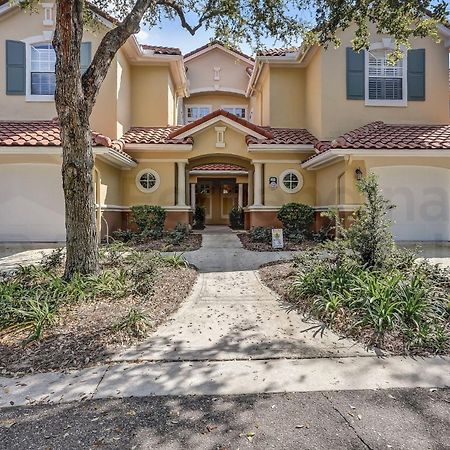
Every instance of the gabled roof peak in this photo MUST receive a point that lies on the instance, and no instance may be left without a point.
(217, 44)
(216, 116)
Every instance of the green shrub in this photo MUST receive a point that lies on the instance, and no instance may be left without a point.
(178, 234)
(199, 218)
(135, 322)
(150, 220)
(176, 261)
(123, 235)
(297, 220)
(236, 218)
(261, 235)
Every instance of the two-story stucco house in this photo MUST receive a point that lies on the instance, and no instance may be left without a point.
(218, 128)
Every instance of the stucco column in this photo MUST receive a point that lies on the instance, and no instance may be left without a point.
(240, 195)
(181, 197)
(250, 188)
(257, 182)
(193, 185)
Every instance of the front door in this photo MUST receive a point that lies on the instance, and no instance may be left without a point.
(218, 198)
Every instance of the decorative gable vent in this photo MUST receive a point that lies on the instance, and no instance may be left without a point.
(48, 14)
(220, 140)
(216, 73)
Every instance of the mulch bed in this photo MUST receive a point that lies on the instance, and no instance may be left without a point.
(262, 247)
(85, 336)
(278, 276)
(189, 244)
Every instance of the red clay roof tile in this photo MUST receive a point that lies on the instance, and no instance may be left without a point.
(276, 51)
(153, 135)
(220, 167)
(46, 133)
(285, 136)
(211, 44)
(160, 50)
(378, 135)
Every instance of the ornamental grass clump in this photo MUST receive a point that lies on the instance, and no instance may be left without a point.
(364, 286)
(30, 298)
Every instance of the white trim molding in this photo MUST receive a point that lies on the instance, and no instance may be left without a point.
(386, 44)
(282, 148)
(159, 147)
(220, 118)
(331, 156)
(220, 47)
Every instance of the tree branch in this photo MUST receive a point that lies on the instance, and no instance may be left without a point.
(109, 46)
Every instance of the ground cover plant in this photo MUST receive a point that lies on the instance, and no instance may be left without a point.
(149, 232)
(364, 286)
(47, 322)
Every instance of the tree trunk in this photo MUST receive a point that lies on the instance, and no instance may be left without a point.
(76, 140)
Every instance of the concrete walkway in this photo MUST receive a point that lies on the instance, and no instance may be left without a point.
(231, 315)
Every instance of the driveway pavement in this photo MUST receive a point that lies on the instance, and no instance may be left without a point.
(400, 419)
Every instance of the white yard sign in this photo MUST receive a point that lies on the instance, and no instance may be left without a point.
(277, 238)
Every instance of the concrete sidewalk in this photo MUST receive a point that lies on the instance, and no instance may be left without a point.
(225, 377)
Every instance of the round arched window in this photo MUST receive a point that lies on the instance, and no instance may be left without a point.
(291, 181)
(147, 180)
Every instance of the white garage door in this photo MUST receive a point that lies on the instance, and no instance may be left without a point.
(421, 195)
(31, 203)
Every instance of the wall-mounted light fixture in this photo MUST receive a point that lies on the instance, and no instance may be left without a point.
(358, 174)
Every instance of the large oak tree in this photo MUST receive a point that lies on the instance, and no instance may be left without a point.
(233, 22)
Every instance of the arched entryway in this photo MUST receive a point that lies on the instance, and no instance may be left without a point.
(218, 185)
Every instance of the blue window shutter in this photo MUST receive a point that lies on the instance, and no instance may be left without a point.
(15, 68)
(355, 74)
(85, 56)
(416, 74)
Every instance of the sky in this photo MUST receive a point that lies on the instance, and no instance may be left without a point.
(169, 33)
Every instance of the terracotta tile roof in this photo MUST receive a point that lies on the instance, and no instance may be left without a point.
(287, 136)
(46, 133)
(220, 167)
(159, 50)
(220, 112)
(378, 135)
(276, 51)
(211, 44)
(153, 135)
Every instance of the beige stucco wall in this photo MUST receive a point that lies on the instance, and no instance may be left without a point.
(264, 94)
(150, 96)
(19, 25)
(200, 72)
(217, 101)
(123, 94)
(278, 197)
(340, 115)
(163, 196)
(110, 183)
(313, 95)
(287, 97)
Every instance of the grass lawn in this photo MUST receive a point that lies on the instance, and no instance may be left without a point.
(48, 324)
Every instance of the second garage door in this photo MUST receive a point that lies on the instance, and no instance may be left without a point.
(31, 203)
(421, 196)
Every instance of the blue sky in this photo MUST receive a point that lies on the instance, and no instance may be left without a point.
(171, 34)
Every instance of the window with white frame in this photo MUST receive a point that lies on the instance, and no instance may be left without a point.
(148, 180)
(386, 82)
(291, 181)
(196, 112)
(42, 69)
(239, 111)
